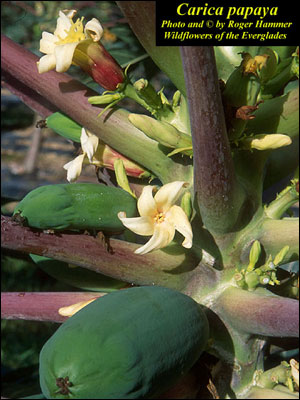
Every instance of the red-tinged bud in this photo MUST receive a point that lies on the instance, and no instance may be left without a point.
(95, 60)
(105, 156)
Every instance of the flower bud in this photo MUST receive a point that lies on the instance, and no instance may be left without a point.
(240, 280)
(95, 60)
(105, 156)
(105, 98)
(295, 370)
(280, 256)
(254, 255)
(252, 280)
(264, 279)
(266, 141)
(147, 92)
(163, 132)
(186, 204)
(121, 177)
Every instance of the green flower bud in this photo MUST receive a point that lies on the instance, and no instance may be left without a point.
(147, 92)
(254, 255)
(176, 99)
(273, 376)
(163, 132)
(105, 98)
(186, 204)
(280, 256)
(252, 280)
(240, 280)
(264, 279)
(121, 176)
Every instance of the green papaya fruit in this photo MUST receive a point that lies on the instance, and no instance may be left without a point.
(130, 344)
(76, 206)
(76, 276)
(64, 126)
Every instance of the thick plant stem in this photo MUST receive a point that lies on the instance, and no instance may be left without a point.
(31, 98)
(260, 313)
(219, 195)
(282, 203)
(42, 306)
(275, 234)
(71, 97)
(141, 18)
(159, 268)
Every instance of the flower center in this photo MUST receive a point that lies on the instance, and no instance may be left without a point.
(159, 218)
(74, 34)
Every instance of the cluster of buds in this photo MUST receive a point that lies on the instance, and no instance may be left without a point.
(285, 373)
(252, 277)
(169, 125)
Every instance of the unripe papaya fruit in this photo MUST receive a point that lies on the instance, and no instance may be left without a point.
(130, 344)
(76, 276)
(76, 206)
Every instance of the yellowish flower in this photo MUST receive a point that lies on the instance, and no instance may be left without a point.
(60, 46)
(72, 43)
(89, 144)
(160, 217)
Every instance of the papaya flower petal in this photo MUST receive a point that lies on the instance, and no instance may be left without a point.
(94, 29)
(146, 204)
(64, 23)
(64, 56)
(68, 311)
(46, 63)
(74, 168)
(89, 143)
(139, 225)
(168, 194)
(47, 43)
(162, 236)
(179, 219)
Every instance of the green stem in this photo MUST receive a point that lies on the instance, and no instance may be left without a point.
(71, 97)
(219, 195)
(260, 393)
(282, 203)
(275, 234)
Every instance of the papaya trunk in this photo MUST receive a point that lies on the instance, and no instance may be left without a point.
(219, 196)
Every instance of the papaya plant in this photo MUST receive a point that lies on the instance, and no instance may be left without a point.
(192, 173)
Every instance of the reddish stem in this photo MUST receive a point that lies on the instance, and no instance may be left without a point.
(260, 314)
(31, 98)
(42, 306)
(89, 252)
(218, 194)
(71, 98)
